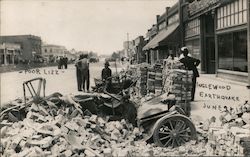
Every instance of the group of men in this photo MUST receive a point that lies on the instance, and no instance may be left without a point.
(63, 62)
(82, 72)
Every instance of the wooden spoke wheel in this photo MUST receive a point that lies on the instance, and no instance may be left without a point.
(180, 110)
(173, 131)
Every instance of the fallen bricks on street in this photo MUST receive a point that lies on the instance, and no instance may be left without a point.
(58, 127)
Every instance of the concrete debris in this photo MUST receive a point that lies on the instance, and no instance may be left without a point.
(69, 132)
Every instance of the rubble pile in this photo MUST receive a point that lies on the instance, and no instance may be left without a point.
(51, 130)
(158, 79)
(180, 84)
(142, 72)
(229, 135)
(228, 142)
(236, 117)
(151, 80)
(169, 65)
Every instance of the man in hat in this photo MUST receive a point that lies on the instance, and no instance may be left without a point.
(190, 63)
(106, 71)
(106, 76)
(78, 65)
(84, 69)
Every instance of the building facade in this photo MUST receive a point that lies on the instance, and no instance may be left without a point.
(53, 52)
(30, 45)
(140, 55)
(216, 33)
(128, 48)
(168, 37)
(9, 53)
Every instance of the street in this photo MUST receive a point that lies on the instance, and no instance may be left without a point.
(57, 80)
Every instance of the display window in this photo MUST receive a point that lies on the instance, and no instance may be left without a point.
(192, 28)
(232, 51)
(232, 14)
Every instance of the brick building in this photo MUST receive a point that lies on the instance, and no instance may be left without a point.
(53, 52)
(167, 37)
(9, 53)
(30, 45)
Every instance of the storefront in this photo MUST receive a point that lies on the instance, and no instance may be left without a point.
(216, 33)
(9, 53)
(165, 41)
(231, 41)
(192, 37)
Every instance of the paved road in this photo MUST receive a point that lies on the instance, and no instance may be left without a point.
(58, 80)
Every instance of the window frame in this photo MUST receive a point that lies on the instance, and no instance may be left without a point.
(232, 14)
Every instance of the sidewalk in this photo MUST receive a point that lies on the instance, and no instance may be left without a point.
(18, 67)
(213, 94)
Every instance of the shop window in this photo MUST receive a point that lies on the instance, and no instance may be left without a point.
(2, 58)
(240, 51)
(9, 60)
(225, 51)
(192, 28)
(232, 50)
(245, 16)
(194, 48)
(232, 14)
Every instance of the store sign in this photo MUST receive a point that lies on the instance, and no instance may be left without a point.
(197, 6)
(213, 96)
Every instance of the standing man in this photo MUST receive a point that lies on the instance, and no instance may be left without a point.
(190, 63)
(106, 74)
(79, 73)
(106, 71)
(65, 62)
(85, 71)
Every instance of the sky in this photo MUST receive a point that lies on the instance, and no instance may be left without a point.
(87, 25)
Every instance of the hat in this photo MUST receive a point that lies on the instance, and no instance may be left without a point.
(184, 48)
(106, 63)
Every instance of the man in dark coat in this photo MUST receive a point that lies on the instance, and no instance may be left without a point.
(65, 62)
(79, 73)
(85, 72)
(190, 63)
(106, 74)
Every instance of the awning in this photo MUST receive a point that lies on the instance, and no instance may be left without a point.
(162, 37)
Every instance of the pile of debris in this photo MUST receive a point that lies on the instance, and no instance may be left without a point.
(236, 117)
(46, 129)
(63, 130)
(229, 135)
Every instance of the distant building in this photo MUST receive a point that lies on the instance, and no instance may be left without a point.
(30, 45)
(9, 53)
(140, 55)
(165, 36)
(53, 52)
(70, 55)
(128, 48)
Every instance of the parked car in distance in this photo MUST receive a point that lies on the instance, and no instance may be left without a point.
(93, 60)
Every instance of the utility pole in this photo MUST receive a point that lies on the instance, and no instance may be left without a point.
(128, 45)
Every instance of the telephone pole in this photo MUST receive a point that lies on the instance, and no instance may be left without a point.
(128, 45)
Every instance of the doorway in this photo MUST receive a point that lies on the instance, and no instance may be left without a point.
(209, 43)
